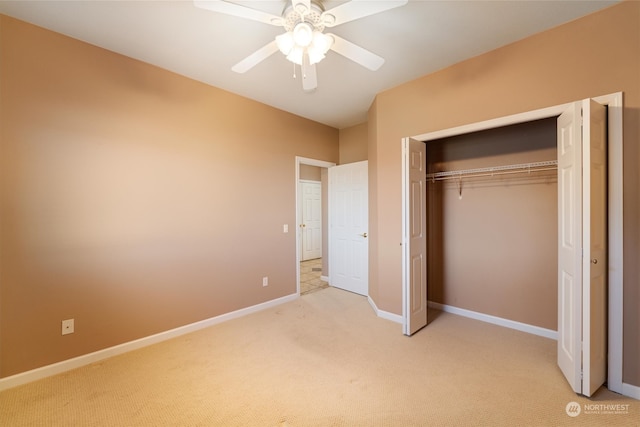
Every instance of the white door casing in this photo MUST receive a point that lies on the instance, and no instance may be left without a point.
(311, 224)
(582, 246)
(348, 227)
(414, 235)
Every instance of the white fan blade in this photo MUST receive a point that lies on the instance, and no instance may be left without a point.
(356, 9)
(256, 57)
(240, 11)
(309, 76)
(356, 53)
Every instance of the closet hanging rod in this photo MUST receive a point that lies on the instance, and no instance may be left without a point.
(494, 170)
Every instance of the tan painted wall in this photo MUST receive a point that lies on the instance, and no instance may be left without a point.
(353, 144)
(133, 199)
(596, 55)
(310, 173)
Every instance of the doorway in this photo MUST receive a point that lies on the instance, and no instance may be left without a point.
(312, 268)
(413, 149)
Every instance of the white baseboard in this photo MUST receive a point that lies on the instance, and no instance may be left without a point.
(85, 359)
(536, 330)
(631, 391)
(384, 314)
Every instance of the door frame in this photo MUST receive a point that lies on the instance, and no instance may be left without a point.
(614, 102)
(310, 162)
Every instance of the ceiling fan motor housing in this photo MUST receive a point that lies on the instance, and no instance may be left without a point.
(312, 16)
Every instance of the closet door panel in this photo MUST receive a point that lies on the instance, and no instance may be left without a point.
(414, 227)
(570, 246)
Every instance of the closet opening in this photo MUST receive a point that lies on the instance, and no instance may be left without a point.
(492, 223)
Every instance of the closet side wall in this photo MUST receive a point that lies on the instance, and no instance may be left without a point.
(493, 240)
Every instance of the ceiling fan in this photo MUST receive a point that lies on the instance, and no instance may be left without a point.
(305, 43)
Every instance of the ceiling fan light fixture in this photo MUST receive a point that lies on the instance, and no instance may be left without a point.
(296, 55)
(321, 42)
(315, 56)
(319, 47)
(285, 43)
(304, 40)
(303, 34)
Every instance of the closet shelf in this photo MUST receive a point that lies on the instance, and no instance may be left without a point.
(495, 170)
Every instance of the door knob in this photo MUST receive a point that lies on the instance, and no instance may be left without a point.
(364, 235)
(594, 261)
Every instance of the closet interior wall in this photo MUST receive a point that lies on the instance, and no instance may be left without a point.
(492, 241)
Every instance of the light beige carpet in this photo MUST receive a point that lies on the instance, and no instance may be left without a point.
(322, 360)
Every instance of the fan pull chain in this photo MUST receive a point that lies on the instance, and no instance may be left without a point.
(294, 70)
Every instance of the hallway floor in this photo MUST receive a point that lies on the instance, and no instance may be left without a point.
(310, 273)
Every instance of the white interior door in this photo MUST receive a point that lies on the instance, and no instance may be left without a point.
(311, 220)
(348, 227)
(582, 237)
(414, 241)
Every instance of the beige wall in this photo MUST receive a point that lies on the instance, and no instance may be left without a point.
(310, 173)
(596, 55)
(132, 199)
(353, 144)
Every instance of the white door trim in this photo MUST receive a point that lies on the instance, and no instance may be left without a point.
(615, 211)
(310, 162)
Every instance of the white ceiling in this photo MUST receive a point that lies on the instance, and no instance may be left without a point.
(416, 39)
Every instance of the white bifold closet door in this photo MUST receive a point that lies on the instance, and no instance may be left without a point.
(414, 235)
(582, 246)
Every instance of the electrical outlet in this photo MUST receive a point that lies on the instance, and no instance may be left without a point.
(67, 326)
(285, 228)
(265, 281)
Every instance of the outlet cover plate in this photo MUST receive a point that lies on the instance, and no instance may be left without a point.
(68, 326)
